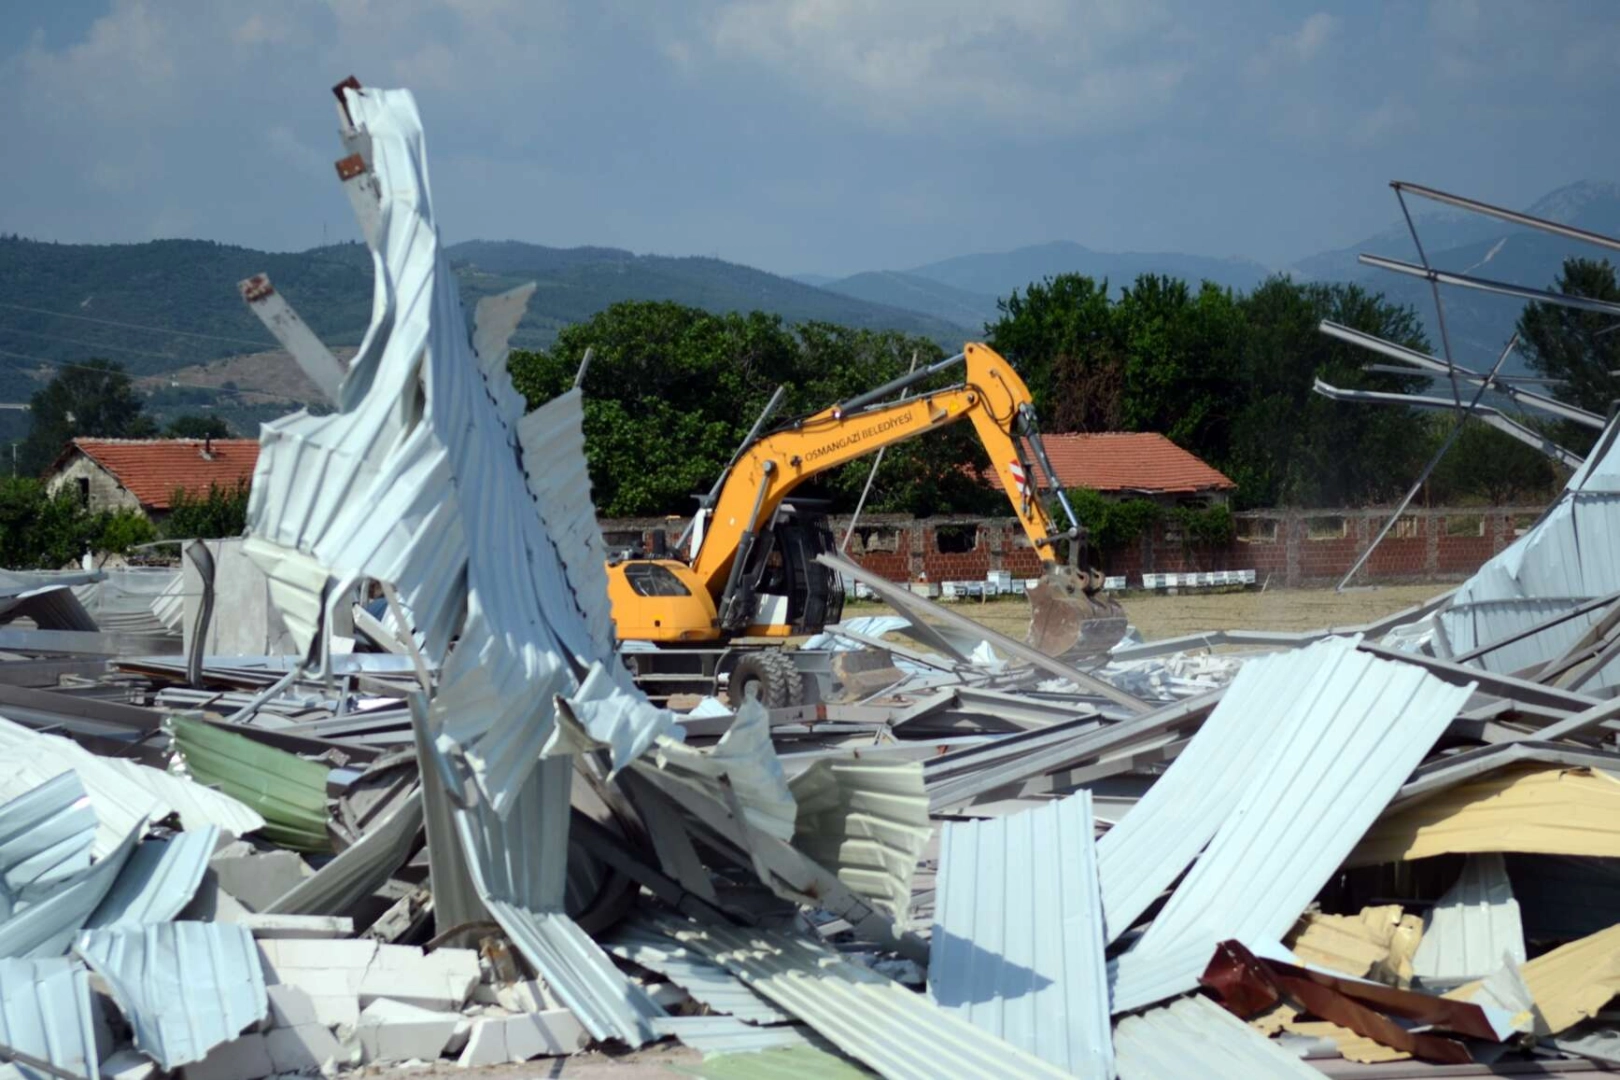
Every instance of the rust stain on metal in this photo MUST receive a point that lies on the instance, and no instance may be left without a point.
(256, 288)
(350, 167)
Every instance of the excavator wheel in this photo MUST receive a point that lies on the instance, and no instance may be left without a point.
(1071, 618)
(770, 675)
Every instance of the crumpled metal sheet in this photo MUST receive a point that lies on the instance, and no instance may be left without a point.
(867, 821)
(159, 880)
(122, 793)
(713, 1035)
(45, 838)
(418, 480)
(1569, 984)
(288, 791)
(902, 1035)
(1302, 807)
(708, 983)
(185, 987)
(47, 928)
(1472, 927)
(1017, 944)
(45, 1013)
(745, 759)
(1193, 1036)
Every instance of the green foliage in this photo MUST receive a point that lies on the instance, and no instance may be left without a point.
(1112, 525)
(1205, 526)
(1576, 345)
(1487, 466)
(221, 512)
(94, 398)
(38, 531)
(193, 426)
(672, 391)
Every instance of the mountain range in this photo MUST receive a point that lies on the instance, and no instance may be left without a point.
(62, 303)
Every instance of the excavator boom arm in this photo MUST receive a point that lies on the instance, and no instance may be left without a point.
(993, 397)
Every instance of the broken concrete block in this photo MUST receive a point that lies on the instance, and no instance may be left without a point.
(318, 927)
(305, 1048)
(294, 953)
(127, 1065)
(438, 980)
(211, 903)
(259, 879)
(396, 1031)
(246, 1057)
(486, 1044)
(290, 1006)
(544, 1034)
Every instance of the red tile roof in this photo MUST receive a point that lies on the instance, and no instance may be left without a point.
(153, 468)
(1121, 461)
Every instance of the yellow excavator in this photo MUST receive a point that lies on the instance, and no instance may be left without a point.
(750, 568)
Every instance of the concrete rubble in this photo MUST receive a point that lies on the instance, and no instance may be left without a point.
(439, 820)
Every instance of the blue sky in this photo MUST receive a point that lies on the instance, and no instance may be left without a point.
(807, 135)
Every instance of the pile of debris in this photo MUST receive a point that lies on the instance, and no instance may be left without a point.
(389, 795)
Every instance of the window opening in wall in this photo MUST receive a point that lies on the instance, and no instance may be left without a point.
(84, 491)
(1522, 523)
(955, 539)
(1465, 525)
(1256, 530)
(1406, 527)
(1325, 528)
(874, 539)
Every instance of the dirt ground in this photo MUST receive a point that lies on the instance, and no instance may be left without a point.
(651, 1063)
(1158, 616)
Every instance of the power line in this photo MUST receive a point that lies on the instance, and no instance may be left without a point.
(139, 326)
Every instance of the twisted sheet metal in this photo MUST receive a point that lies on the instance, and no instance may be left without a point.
(708, 983)
(45, 1013)
(1017, 944)
(45, 838)
(185, 987)
(1196, 1037)
(360, 870)
(868, 823)
(902, 1035)
(1473, 927)
(287, 790)
(122, 793)
(159, 880)
(1301, 809)
(47, 928)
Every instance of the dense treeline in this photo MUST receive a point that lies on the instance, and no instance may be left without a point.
(671, 391)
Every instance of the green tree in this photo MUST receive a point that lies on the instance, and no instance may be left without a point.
(41, 531)
(95, 398)
(1577, 346)
(222, 511)
(196, 426)
(1487, 465)
(1062, 337)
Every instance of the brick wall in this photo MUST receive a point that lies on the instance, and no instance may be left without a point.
(1288, 547)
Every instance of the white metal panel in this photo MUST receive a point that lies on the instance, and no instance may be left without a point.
(1017, 944)
(867, 821)
(185, 987)
(1196, 1037)
(1304, 802)
(45, 838)
(1472, 927)
(901, 1034)
(46, 928)
(159, 880)
(360, 869)
(707, 982)
(45, 1013)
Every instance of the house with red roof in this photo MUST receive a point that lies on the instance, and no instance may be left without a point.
(144, 474)
(1129, 464)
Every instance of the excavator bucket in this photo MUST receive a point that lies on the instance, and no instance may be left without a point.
(1071, 618)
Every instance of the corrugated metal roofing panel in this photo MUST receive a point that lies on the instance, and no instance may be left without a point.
(1304, 802)
(45, 837)
(160, 878)
(288, 791)
(867, 822)
(1569, 984)
(1472, 927)
(122, 793)
(185, 987)
(1017, 945)
(707, 982)
(45, 1013)
(726, 1034)
(1523, 807)
(902, 1035)
(47, 928)
(1139, 858)
(1196, 1037)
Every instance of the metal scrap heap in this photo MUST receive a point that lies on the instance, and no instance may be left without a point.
(371, 785)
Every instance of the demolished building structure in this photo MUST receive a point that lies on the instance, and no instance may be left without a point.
(442, 821)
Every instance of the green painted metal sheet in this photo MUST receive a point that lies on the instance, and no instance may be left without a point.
(289, 792)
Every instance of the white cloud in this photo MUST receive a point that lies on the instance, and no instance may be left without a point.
(1288, 52)
(1028, 65)
(1392, 116)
